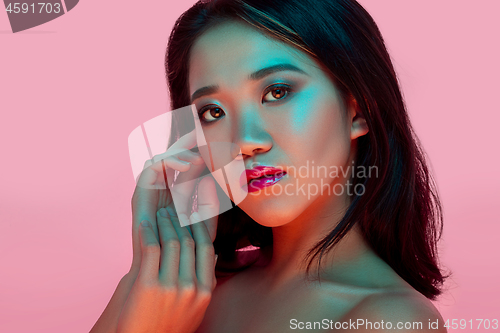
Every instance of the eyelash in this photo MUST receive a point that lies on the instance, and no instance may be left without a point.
(268, 90)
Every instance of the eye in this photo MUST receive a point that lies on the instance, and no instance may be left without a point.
(276, 92)
(210, 114)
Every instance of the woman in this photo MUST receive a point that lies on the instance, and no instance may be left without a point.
(296, 85)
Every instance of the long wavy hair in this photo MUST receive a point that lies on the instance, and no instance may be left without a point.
(400, 213)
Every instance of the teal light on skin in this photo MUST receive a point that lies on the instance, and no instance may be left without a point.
(281, 129)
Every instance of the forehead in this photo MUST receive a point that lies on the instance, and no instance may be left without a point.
(230, 51)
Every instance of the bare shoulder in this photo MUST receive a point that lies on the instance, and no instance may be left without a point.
(405, 311)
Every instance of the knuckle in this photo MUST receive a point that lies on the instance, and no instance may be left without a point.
(151, 249)
(188, 289)
(204, 295)
(188, 242)
(172, 244)
(206, 248)
(147, 163)
(169, 290)
(146, 283)
(161, 219)
(162, 222)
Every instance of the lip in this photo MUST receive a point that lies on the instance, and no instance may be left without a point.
(260, 177)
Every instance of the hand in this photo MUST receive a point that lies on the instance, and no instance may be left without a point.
(175, 282)
(151, 192)
(130, 301)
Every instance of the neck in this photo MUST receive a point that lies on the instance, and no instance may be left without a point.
(292, 241)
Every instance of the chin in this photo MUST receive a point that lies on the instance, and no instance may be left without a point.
(272, 211)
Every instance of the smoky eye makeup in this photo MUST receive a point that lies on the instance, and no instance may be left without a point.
(277, 91)
(210, 113)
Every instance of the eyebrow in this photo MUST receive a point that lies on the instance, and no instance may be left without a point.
(258, 75)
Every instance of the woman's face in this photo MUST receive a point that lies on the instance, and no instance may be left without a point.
(282, 110)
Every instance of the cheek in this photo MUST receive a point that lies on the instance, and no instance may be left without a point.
(215, 132)
(314, 130)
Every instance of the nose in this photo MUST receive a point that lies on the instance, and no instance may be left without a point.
(250, 134)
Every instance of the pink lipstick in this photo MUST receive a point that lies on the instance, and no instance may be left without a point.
(261, 177)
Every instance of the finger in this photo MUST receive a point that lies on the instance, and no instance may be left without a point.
(175, 160)
(214, 282)
(154, 178)
(150, 249)
(208, 205)
(183, 188)
(144, 203)
(181, 155)
(172, 212)
(187, 273)
(151, 188)
(177, 157)
(171, 161)
(154, 173)
(205, 254)
(170, 249)
(148, 192)
(186, 141)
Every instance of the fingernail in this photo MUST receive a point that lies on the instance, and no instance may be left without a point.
(163, 212)
(171, 211)
(145, 224)
(184, 162)
(184, 220)
(216, 257)
(195, 217)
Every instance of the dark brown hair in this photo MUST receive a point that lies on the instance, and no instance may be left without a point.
(399, 213)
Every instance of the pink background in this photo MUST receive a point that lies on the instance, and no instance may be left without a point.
(73, 89)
